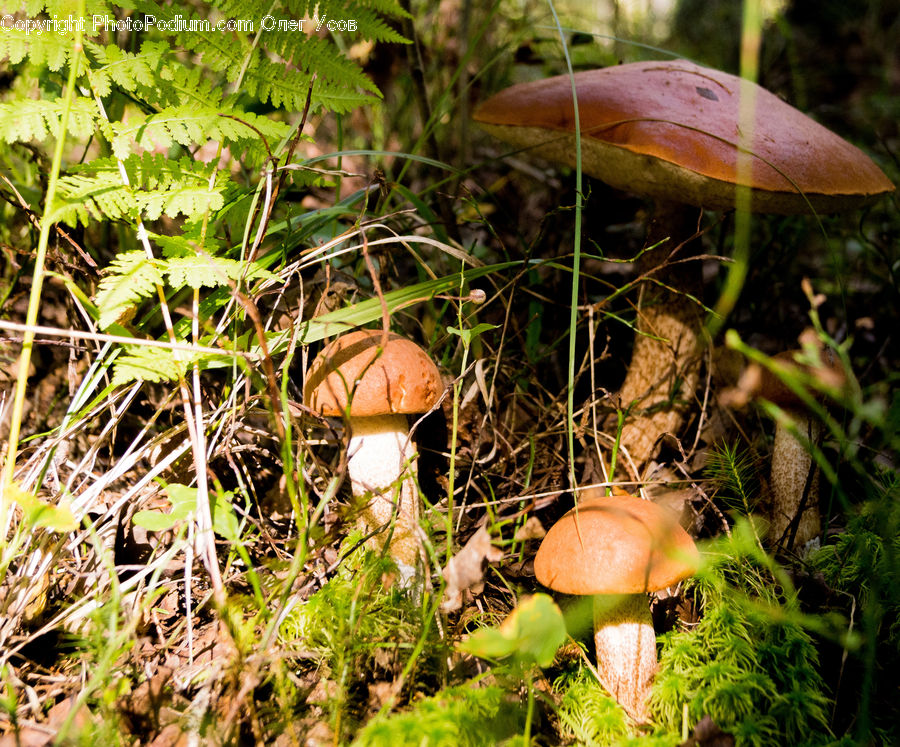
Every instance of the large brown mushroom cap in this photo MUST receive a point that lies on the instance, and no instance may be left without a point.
(615, 545)
(756, 382)
(670, 130)
(401, 380)
(774, 389)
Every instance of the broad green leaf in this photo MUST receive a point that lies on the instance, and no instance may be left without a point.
(531, 634)
(224, 519)
(42, 515)
(183, 500)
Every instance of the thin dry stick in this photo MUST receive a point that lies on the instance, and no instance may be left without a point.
(272, 391)
(272, 193)
(376, 284)
(77, 334)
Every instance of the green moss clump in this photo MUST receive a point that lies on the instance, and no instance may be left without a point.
(862, 564)
(352, 614)
(466, 715)
(748, 664)
(360, 629)
(587, 714)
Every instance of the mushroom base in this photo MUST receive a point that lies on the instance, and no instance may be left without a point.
(626, 650)
(381, 464)
(795, 488)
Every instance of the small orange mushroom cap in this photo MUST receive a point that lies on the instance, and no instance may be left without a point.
(377, 375)
(670, 130)
(615, 545)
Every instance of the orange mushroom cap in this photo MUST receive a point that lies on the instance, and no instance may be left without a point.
(670, 130)
(402, 380)
(615, 545)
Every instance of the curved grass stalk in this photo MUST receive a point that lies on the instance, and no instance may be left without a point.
(34, 299)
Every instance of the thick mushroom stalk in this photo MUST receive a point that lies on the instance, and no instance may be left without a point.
(618, 548)
(381, 465)
(375, 379)
(625, 642)
(793, 509)
(794, 482)
(664, 373)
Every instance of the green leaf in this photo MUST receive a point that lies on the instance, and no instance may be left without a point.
(184, 503)
(183, 500)
(468, 335)
(225, 521)
(42, 515)
(531, 634)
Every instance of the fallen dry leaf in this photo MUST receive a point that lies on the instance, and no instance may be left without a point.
(464, 573)
(531, 529)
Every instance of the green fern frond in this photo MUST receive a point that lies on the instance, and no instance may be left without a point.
(177, 85)
(365, 14)
(319, 55)
(30, 120)
(139, 363)
(155, 364)
(337, 85)
(47, 49)
(126, 70)
(207, 271)
(340, 84)
(132, 277)
(190, 125)
(288, 89)
(52, 47)
(157, 186)
(185, 244)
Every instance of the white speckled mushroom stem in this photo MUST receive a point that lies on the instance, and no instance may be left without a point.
(791, 467)
(626, 650)
(664, 372)
(381, 464)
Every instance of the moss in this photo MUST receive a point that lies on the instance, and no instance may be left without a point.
(862, 564)
(748, 664)
(587, 714)
(463, 715)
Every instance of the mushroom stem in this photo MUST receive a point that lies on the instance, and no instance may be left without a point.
(794, 481)
(381, 464)
(665, 367)
(626, 650)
